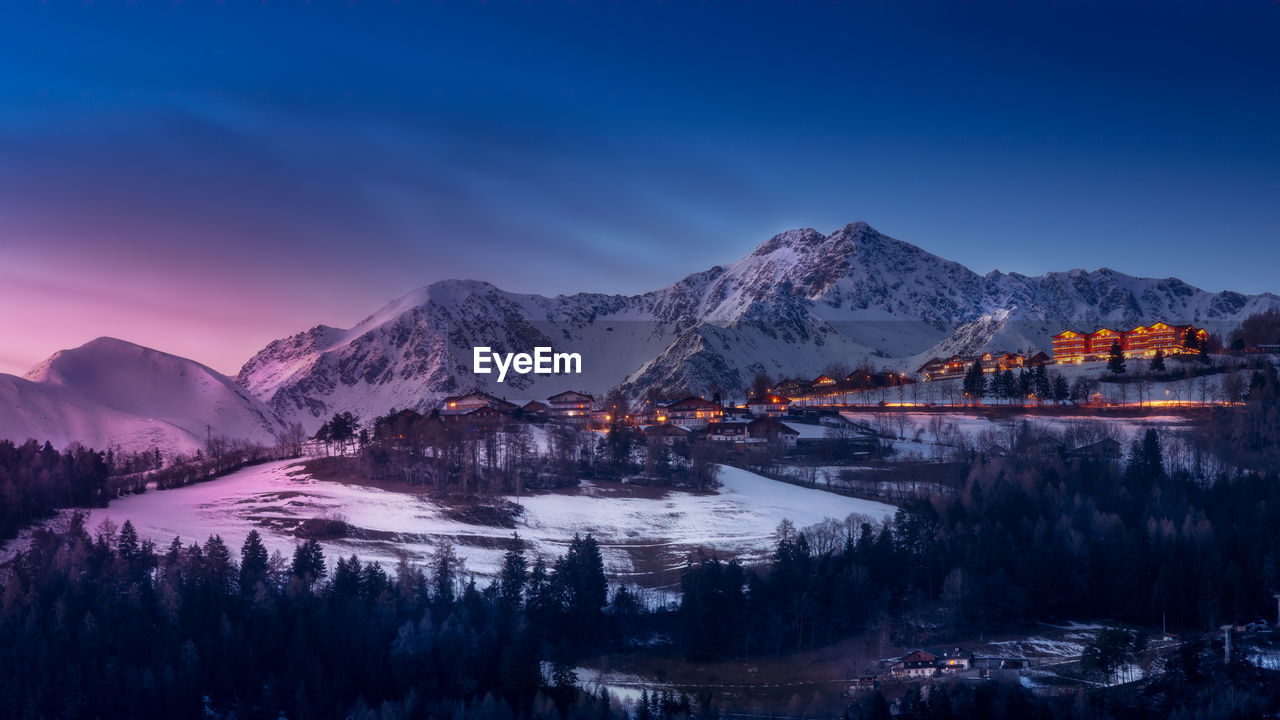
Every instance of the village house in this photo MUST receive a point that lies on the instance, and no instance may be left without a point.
(932, 369)
(691, 412)
(479, 419)
(464, 404)
(571, 407)
(921, 664)
(1040, 358)
(917, 664)
(991, 362)
(535, 411)
(732, 432)
(770, 404)
(667, 434)
(793, 388)
(953, 660)
(773, 431)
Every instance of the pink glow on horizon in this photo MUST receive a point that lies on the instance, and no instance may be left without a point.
(189, 310)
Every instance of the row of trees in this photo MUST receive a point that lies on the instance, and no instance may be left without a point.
(36, 480)
(509, 456)
(1037, 383)
(105, 625)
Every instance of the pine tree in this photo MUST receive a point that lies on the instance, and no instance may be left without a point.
(515, 573)
(1044, 388)
(127, 545)
(1157, 361)
(253, 562)
(1115, 363)
(1008, 385)
(975, 382)
(308, 562)
(1061, 391)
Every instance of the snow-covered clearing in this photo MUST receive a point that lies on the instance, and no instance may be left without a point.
(930, 435)
(642, 536)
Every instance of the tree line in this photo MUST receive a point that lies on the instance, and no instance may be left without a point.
(103, 624)
(1025, 540)
(505, 456)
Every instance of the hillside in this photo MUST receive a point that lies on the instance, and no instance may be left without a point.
(109, 393)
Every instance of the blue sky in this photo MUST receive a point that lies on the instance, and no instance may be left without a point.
(206, 176)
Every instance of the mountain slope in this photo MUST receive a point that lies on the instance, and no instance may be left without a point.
(798, 301)
(113, 394)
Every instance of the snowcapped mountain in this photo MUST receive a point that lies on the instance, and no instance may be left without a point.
(113, 394)
(798, 301)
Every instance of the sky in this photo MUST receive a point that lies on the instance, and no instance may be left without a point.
(203, 177)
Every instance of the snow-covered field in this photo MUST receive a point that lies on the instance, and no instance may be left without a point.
(641, 536)
(928, 436)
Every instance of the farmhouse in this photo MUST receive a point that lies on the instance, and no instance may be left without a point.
(916, 664)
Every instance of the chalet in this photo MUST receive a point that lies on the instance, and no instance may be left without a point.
(667, 434)
(734, 432)
(955, 366)
(570, 407)
(822, 381)
(535, 410)
(916, 664)
(932, 368)
(773, 431)
(793, 388)
(991, 362)
(692, 411)
(953, 660)
(1010, 361)
(463, 404)
(770, 405)
(480, 419)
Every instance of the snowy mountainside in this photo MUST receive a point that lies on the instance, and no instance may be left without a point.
(109, 393)
(799, 300)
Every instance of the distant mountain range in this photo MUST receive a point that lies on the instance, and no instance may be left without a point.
(797, 302)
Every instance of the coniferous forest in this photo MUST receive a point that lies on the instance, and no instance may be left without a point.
(95, 622)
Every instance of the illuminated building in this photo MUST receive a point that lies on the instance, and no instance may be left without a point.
(1073, 346)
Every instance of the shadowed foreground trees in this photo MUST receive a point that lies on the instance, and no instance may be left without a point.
(101, 625)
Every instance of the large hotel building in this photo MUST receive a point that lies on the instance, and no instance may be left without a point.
(1072, 346)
